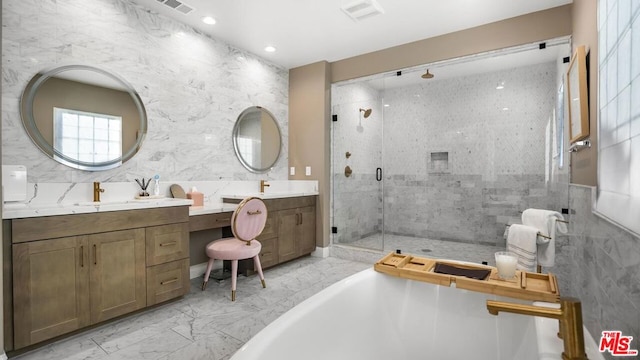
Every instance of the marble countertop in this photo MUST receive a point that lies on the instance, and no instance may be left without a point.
(269, 195)
(27, 210)
(211, 209)
(50, 199)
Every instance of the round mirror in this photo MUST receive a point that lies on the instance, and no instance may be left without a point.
(256, 139)
(83, 117)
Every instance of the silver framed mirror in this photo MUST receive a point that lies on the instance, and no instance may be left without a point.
(83, 117)
(257, 139)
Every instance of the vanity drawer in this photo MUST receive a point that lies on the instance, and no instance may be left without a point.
(167, 243)
(167, 281)
(210, 221)
(270, 229)
(269, 252)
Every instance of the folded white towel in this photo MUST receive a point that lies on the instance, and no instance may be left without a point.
(545, 222)
(521, 240)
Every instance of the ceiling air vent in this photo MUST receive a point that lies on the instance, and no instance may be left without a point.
(177, 5)
(362, 9)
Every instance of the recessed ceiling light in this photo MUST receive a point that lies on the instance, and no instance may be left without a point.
(208, 20)
(270, 49)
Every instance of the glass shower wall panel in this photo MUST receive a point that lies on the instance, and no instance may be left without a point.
(356, 155)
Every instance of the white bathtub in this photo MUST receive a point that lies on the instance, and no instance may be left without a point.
(371, 316)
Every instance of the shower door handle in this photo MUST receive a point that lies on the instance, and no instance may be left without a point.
(379, 174)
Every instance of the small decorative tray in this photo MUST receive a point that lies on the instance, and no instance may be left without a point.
(525, 285)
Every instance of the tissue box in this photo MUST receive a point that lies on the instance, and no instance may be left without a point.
(197, 197)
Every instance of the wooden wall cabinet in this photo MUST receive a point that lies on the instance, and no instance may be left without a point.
(96, 267)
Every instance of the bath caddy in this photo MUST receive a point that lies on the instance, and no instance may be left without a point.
(526, 285)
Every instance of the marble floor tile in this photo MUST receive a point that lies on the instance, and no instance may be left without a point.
(362, 249)
(215, 346)
(128, 333)
(74, 348)
(154, 347)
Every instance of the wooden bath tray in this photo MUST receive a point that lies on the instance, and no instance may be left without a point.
(526, 285)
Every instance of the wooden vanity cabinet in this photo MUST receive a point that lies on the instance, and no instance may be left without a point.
(71, 271)
(290, 231)
(297, 232)
(52, 288)
(270, 243)
(167, 262)
(117, 273)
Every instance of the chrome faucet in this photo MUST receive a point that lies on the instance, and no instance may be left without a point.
(569, 316)
(263, 184)
(96, 191)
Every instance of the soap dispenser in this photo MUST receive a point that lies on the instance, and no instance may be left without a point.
(156, 188)
(197, 197)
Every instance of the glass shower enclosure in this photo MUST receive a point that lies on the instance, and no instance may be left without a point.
(448, 160)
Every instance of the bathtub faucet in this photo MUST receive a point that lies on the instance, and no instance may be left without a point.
(569, 316)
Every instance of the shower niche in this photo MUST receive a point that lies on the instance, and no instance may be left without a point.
(438, 162)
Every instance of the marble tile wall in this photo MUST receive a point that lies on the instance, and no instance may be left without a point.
(599, 263)
(461, 158)
(193, 87)
(461, 208)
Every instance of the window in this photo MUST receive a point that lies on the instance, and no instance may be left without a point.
(87, 137)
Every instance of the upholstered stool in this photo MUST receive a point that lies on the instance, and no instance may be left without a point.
(247, 223)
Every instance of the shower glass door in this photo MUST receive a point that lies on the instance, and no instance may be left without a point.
(357, 142)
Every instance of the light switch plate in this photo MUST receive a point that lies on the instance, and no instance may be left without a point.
(292, 170)
(307, 171)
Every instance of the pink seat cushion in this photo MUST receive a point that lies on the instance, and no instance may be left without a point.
(248, 221)
(232, 249)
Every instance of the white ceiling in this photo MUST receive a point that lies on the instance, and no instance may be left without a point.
(307, 31)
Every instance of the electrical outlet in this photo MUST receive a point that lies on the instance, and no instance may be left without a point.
(292, 170)
(307, 171)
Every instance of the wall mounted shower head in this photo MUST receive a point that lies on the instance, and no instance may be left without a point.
(367, 112)
(427, 75)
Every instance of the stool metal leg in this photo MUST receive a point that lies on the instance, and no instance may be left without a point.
(256, 264)
(234, 278)
(206, 274)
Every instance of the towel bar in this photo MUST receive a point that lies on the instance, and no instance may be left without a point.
(557, 220)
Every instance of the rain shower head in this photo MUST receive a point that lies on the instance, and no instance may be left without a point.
(367, 112)
(427, 75)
